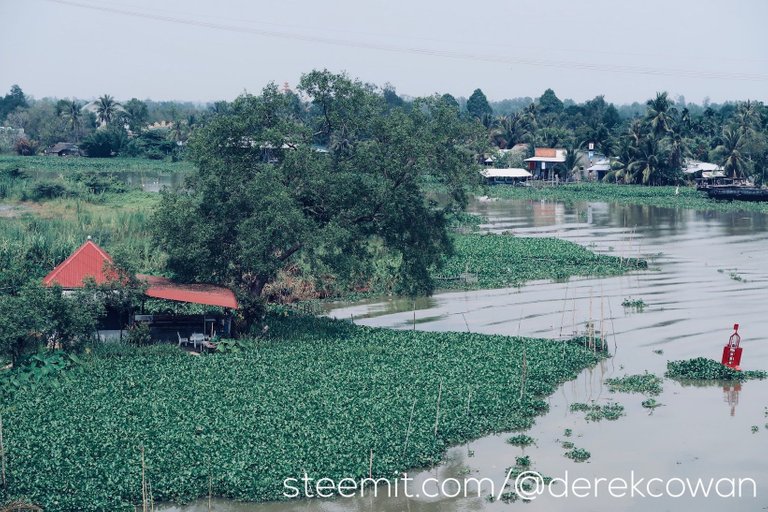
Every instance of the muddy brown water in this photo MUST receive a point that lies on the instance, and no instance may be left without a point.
(709, 270)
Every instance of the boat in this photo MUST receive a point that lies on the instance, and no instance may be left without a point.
(737, 193)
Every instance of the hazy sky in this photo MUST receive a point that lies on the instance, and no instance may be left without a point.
(208, 50)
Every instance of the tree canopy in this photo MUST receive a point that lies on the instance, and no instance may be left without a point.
(330, 184)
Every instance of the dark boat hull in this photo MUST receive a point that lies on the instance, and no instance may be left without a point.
(737, 193)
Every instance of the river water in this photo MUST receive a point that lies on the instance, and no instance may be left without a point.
(708, 271)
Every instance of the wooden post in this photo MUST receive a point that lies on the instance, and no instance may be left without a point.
(143, 483)
(523, 373)
(437, 412)
(408, 430)
(2, 454)
(370, 466)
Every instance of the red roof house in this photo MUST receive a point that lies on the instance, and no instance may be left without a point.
(91, 261)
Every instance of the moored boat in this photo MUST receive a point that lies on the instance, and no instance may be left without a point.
(737, 192)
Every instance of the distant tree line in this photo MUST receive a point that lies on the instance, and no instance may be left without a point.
(646, 143)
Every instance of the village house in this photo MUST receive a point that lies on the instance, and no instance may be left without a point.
(543, 162)
(63, 149)
(91, 262)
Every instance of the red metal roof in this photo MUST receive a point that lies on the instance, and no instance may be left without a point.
(87, 261)
(164, 288)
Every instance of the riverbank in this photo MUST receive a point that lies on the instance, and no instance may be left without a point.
(322, 396)
(685, 197)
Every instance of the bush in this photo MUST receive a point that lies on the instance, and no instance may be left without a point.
(26, 147)
(49, 190)
(138, 335)
(104, 143)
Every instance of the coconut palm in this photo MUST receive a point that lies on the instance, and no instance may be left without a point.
(648, 163)
(730, 153)
(511, 130)
(106, 109)
(747, 117)
(71, 112)
(678, 151)
(660, 114)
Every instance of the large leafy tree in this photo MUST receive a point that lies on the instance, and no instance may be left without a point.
(264, 197)
(136, 113)
(478, 106)
(11, 101)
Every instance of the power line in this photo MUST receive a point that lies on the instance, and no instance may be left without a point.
(525, 61)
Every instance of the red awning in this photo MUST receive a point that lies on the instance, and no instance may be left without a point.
(164, 288)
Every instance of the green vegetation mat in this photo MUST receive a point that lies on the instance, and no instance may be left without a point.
(667, 197)
(318, 396)
(702, 368)
(497, 261)
(646, 383)
(55, 164)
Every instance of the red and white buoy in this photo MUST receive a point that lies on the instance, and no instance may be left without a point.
(732, 351)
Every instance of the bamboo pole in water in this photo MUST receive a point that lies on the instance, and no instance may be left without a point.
(437, 411)
(143, 483)
(2, 454)
(408, 430)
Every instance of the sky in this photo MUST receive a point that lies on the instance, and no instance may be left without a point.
(198, 50)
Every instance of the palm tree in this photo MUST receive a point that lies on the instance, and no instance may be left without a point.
(511, 130)
(106, 109)
(659, 114)
(678, 152)
(647, 166)
(730, 153)
(747, 117)
(70, 111)
(571, 161)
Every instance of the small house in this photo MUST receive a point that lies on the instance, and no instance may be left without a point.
(509, 176)
(92, 262)
(63, 149)
(543, 162)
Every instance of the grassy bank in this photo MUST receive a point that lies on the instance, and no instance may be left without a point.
(317, 396)
(666, 197)
(37, 236)
(65, 165)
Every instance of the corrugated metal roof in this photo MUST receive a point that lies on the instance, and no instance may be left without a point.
(548, 155)
(87, 261)
(164, 288)
(512, 172)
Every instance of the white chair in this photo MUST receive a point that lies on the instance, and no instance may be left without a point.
(184, 341)
(197, 337)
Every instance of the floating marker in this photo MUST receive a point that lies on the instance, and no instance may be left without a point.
(732, 351)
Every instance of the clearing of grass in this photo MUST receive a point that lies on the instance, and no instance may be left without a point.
(322, 396)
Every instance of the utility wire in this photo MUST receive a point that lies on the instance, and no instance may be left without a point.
(510, 60)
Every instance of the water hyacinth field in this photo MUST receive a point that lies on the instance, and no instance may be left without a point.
(362, 402)
(498, 261)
